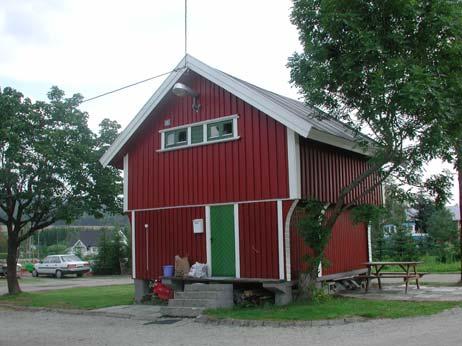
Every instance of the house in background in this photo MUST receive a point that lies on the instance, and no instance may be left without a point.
(215, 168)
(86, 242)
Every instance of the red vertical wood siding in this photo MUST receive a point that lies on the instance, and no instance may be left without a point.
(258, 240)
(347, 249)
(253, 167)
(169, 233)
(326, 170)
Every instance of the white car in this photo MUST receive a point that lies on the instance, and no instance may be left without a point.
(60, 265)
(4, 272)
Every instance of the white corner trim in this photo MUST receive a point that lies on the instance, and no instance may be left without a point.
(287, 239)
(239, 89)
(237, 255)
(320, 270)
(146, 229)
(208, 240)
(133, 245)
(125, 187)
(369, 242)
(293, 164)
(280, 239)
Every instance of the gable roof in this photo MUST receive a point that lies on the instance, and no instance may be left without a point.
(293, 114)
(88, 238)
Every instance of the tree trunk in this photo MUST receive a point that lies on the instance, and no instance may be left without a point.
(307, 282)
(12, 262)
(459, 173)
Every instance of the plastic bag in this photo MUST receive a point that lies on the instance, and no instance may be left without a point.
(198, 270)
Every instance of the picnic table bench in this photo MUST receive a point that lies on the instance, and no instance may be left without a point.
(409, 272)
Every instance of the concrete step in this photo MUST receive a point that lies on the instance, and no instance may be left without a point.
(177, 311)
(203, 294)
(196, 303)
(208, 287)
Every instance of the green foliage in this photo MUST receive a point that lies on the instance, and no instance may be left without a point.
(3, 243)
(439, 187)
(112, 252)
(391, 65)
(87, 298)
(312, 230)
(388, 68)
(425, 208)
(56, 249)
(402, 246)
(335, 308)
(443, 235)
(50, 169)
(49, 165)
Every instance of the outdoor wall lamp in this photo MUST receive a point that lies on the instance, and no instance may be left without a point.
(181, 90)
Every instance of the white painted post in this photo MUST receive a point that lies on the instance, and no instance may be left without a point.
(280, 240)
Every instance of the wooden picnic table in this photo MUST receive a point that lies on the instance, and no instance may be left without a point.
(374, 271)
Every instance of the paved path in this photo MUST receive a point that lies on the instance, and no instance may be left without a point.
(46, 328)
(396, 292)
(432, 278)
(30, 284)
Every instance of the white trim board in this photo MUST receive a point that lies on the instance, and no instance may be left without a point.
(133, 245)
(280, 239)
(237, 254)
(208, 239)
(293, 164)
(125, 187)
(287, 239)
(214, 204)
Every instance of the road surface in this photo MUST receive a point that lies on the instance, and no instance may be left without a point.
(48, 328)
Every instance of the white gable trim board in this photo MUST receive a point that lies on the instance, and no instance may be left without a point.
(125, 187)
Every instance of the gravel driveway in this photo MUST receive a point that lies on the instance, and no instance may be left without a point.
(46, 328)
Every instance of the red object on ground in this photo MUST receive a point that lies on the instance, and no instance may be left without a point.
(162, 291)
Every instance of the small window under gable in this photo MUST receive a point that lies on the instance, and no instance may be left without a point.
(176, 137)
(220, 130)
(200, 133)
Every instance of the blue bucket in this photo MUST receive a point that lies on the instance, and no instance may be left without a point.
(168, 270)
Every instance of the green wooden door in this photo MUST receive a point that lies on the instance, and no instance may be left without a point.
(222, 240)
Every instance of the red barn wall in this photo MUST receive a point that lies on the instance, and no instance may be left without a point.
(258, 240)
(253, 167)
(326, 170)
(169, 233)
(347, 249)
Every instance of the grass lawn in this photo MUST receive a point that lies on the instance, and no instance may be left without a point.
(75, 298)
(336, 308)
(431, 265)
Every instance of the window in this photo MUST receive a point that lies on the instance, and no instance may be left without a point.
(204, 132)
(177, 137)
(197, 134)
(220, 130)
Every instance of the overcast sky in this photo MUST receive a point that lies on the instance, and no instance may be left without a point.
(90, 47)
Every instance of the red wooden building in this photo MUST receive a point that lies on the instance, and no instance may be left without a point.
(220, 183)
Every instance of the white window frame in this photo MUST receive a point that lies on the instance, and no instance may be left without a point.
(205, 141)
